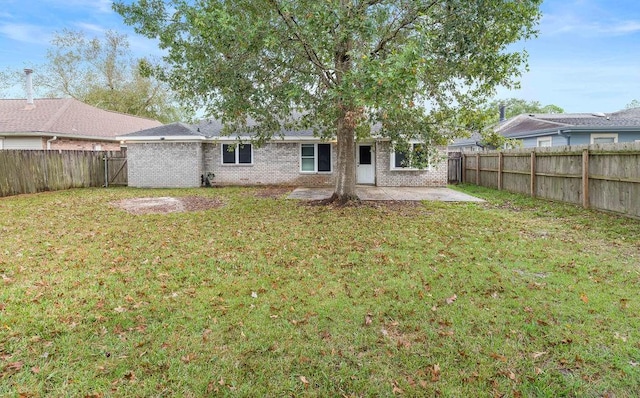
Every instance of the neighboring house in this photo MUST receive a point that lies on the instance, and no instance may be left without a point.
(179, 155)
(540, 130)
(64, 123)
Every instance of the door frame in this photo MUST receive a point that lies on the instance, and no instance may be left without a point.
(373, 163)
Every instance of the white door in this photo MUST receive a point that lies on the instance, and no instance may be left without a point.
(366, 165)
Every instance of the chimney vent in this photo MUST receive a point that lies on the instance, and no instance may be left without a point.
(29, 87)
(502, 113)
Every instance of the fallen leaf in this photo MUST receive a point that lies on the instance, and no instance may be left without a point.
(119, 309)
(451, 299)
(188, 358)
(16, 366)
(632, 363)
(435, 372)
(368, 320)
(130, 376)
(538, 371)
(624, 303)
(35, 370)
(536, 355)
(304, 381)
(584, 298)
(511, 375)
(254, 294)
(498, 357)
(397, 389)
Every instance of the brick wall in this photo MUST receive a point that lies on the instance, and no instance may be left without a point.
(273, 164)
(81, 145)
(385, 177)
(164, 165)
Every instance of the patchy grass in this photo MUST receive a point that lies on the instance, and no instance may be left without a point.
(264, 296)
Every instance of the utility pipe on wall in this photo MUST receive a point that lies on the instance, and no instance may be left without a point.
(55, 138)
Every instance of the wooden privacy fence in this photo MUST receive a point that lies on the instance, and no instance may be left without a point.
(30, 171)
(604, 177)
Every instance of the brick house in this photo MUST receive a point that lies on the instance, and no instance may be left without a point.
(180, 155)
(64, 124)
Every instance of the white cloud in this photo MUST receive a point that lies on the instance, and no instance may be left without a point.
(102, 6)
(586, 18)
(89, 27)
(25, 33)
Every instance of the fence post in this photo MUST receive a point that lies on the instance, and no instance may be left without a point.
(106, 171)
(533, 174)
(500, 161)
(477, 169)
(585, 178)
(463, 167)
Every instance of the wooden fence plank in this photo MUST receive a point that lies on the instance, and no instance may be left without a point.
(603, 177)
(30, 171)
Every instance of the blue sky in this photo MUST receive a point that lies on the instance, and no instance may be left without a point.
(585, 59)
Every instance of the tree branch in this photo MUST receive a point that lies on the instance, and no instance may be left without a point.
(326, 77)
(407, 21)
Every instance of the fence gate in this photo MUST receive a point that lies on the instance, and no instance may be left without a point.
(455, 168)
(115, 170)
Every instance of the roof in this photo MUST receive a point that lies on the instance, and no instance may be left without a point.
(67, 117)
(173, 129)
(204, 130)
(526, 125)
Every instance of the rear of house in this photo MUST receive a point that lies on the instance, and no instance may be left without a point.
(179, 155)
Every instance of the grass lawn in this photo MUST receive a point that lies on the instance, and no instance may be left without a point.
(264, 296)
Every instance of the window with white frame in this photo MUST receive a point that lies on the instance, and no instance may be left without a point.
(315, 158)
(237, 154)
(604, 138)
(401, 160)
(544, 142)
(1, 142)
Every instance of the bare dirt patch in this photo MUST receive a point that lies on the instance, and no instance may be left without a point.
(165, 204)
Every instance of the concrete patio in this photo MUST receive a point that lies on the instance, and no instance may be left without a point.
(389, 193)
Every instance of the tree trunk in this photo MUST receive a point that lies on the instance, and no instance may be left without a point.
(346, 162)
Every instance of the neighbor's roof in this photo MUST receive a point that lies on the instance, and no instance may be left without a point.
(525, 125)
(66, 117)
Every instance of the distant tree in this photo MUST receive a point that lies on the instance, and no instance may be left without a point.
(102, 73)
(516, 106)
(633, 104)
(7, 80)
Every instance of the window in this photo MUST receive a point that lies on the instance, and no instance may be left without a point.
(237, 154)
(315, 158)
(402, 161)
(544, 142)
(1, 142)
(604, 138)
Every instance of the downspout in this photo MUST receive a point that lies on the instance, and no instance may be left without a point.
(55, 138)
(565, 135)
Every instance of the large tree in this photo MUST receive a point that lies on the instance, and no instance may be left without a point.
(415, 68)
(103, 73)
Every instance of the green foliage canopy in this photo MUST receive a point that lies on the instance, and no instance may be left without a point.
(415, 68)
(517, 106)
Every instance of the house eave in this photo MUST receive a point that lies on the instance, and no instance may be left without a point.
(59, 135)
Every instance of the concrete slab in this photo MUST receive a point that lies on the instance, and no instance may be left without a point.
(389, 193)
